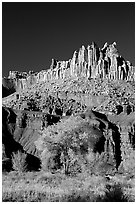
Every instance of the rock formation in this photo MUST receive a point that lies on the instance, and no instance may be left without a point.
(97, 78)
(20, 129)
(90, 62)
(8, 87)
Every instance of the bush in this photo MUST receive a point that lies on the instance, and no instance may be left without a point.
(19, 163)
(65, 145)
(114, 193)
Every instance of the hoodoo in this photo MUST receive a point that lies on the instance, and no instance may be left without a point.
(90, 62)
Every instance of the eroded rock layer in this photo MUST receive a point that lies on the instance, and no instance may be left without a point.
(99, 79)
(88, 62)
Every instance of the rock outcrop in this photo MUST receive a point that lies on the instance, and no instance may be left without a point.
(90, 62)
(96, 78)
(8, 87)
(20, 129)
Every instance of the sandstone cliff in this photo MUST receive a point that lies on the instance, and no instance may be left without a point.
(90, 62)
(113, 146)
(20, 129)
(97, 79)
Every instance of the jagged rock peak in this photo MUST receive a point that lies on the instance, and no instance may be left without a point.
(89, 62)
(105, 46)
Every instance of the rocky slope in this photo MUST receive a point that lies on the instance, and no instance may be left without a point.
(74, 96)
(20, 129)
(8, 87)
(89, 62)
(97, 79)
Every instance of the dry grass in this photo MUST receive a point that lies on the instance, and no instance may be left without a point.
(41, 186)
(19, 163)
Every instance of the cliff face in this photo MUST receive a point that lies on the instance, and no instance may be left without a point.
(20, 129)
(90, 62)
(8, 87)
(97, 78)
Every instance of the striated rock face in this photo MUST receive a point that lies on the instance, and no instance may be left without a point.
(20, 129)
(23, 80)
(93, 62)
(8, 86)
(89, 62)
(128, 151)
(114, 143)
(96, 78)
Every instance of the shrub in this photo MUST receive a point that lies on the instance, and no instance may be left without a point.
(66, 144)
(19, 163)
(114, 193)
(32, 105)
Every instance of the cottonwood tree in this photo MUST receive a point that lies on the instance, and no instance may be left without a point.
(65, 145)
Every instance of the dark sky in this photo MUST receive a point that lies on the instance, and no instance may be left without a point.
(34, 33)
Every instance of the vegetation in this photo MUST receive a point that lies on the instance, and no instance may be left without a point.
(46, 187)
(76, 95)
(69, 150)
(72, 152)
(70, 145)
(19, 163)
